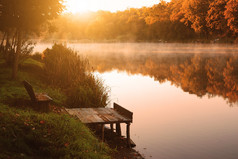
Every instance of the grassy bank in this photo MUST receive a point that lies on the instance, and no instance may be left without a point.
(26, 133)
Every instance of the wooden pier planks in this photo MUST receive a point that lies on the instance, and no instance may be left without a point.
(102, 116)
(98, 115)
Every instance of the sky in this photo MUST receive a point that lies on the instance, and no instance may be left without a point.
(75, 6)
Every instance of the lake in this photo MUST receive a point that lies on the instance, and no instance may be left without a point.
(183, 96)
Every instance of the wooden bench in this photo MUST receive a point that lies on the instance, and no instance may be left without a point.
(40, 100)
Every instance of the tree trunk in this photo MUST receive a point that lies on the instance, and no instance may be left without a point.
(17, 54)
(3, 38)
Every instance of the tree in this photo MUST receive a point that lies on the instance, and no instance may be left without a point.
(195, 12)
(176, 13)
(216, 19)
(231, 14)
(18, 18)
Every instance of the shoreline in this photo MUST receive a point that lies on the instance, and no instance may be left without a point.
(118, 143)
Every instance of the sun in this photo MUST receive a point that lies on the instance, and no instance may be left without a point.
(75, 6)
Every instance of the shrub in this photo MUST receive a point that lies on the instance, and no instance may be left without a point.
(37, 56)
(67, 70)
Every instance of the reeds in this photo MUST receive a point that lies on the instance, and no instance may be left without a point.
(67, 70)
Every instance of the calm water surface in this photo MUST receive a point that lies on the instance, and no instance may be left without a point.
(183, 96)
(172, 124)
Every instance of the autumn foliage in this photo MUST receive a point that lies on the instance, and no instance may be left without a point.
(176, 21)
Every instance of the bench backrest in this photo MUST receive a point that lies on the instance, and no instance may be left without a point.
(29, 90)
(123, 111)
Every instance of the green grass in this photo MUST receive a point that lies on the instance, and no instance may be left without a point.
(31, 62)
(25, 133)
(28, 134)
(13, 89)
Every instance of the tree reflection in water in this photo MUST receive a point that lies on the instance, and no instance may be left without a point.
(200, 74)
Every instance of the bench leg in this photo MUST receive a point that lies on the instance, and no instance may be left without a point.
(118, 129)
(128, 135)
(42, 106)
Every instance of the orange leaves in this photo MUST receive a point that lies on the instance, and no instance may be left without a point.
(231, 15)
(17, 115)
(66, 144)
(158, 13)
(25, 123)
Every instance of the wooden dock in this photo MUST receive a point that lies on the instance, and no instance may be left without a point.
(102, 116)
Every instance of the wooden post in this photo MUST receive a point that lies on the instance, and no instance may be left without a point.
(111, 126)
(118, 129)
(128, 134)
(102, 127)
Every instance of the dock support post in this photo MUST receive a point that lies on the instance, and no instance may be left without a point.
(128, 134)
(111, 126)
(118, 129)
(102, 127)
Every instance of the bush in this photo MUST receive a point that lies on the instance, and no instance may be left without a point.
(67, 70)
(37, 56)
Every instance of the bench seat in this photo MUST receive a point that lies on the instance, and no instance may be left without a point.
(42, 97)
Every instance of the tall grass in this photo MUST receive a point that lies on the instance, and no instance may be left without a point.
(67, 70)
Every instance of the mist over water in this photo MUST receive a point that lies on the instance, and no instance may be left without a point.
(183, 96)
(125, 48)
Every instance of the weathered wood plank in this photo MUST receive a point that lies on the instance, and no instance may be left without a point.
(98, 115)
(128, 135)
(123, 111)
(112, 129)
(91, 119)
(118, 116)
(105, 116)
(98, 118)
(118, 129)
(88, 111)
(110, 117)
(102, 110)
(81, 117)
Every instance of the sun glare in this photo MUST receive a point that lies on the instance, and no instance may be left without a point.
(75, 6)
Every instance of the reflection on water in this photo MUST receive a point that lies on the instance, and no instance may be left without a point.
(171, 124)
(181, 95)
(200, 74)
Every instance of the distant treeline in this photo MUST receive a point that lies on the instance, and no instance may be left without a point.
(175, 21)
